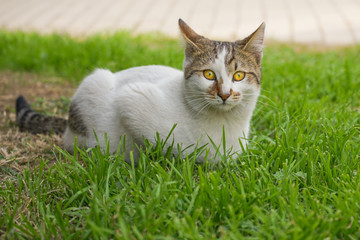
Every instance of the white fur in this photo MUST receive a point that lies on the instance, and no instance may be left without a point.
(141, 101)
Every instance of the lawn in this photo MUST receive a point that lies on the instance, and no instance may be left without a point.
(299, 179)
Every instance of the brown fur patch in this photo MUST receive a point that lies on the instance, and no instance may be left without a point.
(213, 89)
(75, 121)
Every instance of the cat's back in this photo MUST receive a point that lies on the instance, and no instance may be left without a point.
(151, 87)
(103, 83)
(154, 74)
(148, 87)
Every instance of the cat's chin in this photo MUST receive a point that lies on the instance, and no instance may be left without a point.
(226, 107)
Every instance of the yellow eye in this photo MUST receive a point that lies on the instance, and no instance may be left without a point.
(210, 75)
(238, 76)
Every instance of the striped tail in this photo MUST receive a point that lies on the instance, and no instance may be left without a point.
(31, 121)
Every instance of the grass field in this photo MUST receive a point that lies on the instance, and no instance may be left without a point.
(299, 179)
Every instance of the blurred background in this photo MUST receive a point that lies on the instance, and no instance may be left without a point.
(321, 22)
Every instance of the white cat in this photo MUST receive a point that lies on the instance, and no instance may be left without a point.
(217, 90)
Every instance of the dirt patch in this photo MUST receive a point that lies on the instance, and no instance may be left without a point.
(20, 149)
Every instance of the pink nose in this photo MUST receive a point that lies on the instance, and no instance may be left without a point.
(224, 97)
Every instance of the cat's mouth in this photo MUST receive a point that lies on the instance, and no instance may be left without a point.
(219, 103)
(225, 105)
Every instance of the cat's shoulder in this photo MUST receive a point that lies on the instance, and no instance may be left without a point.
(98, 79)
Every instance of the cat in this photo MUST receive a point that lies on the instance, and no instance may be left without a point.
(216, 91)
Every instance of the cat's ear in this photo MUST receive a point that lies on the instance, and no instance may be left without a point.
(255, 42)
(190, 36)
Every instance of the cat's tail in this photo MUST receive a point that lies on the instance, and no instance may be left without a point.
(31, 121)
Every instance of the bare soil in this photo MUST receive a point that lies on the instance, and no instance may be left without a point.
(19, 150)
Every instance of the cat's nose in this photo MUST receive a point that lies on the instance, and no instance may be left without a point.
(224, 97)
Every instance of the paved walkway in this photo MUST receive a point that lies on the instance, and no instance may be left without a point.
(325, 22)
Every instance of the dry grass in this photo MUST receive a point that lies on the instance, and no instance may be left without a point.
(21, 149)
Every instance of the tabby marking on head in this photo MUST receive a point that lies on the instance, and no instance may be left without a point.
(234, 66)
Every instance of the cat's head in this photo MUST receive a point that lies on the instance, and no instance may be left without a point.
(222, 75)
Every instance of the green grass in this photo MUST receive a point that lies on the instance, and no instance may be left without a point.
(73, 59)
(299, 179)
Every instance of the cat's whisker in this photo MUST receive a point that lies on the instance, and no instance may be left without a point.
(247, 103)
(253, 99)
(195, 95)
(210, 97)
(203, 108)
(195, 100)
(250, 101)
(249, 95)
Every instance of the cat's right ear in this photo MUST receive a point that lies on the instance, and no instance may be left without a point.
(254, 43)
(191, 37)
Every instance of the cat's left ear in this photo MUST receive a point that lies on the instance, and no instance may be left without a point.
(255, 42)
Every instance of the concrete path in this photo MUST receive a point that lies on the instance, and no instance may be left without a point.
(322, 22)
